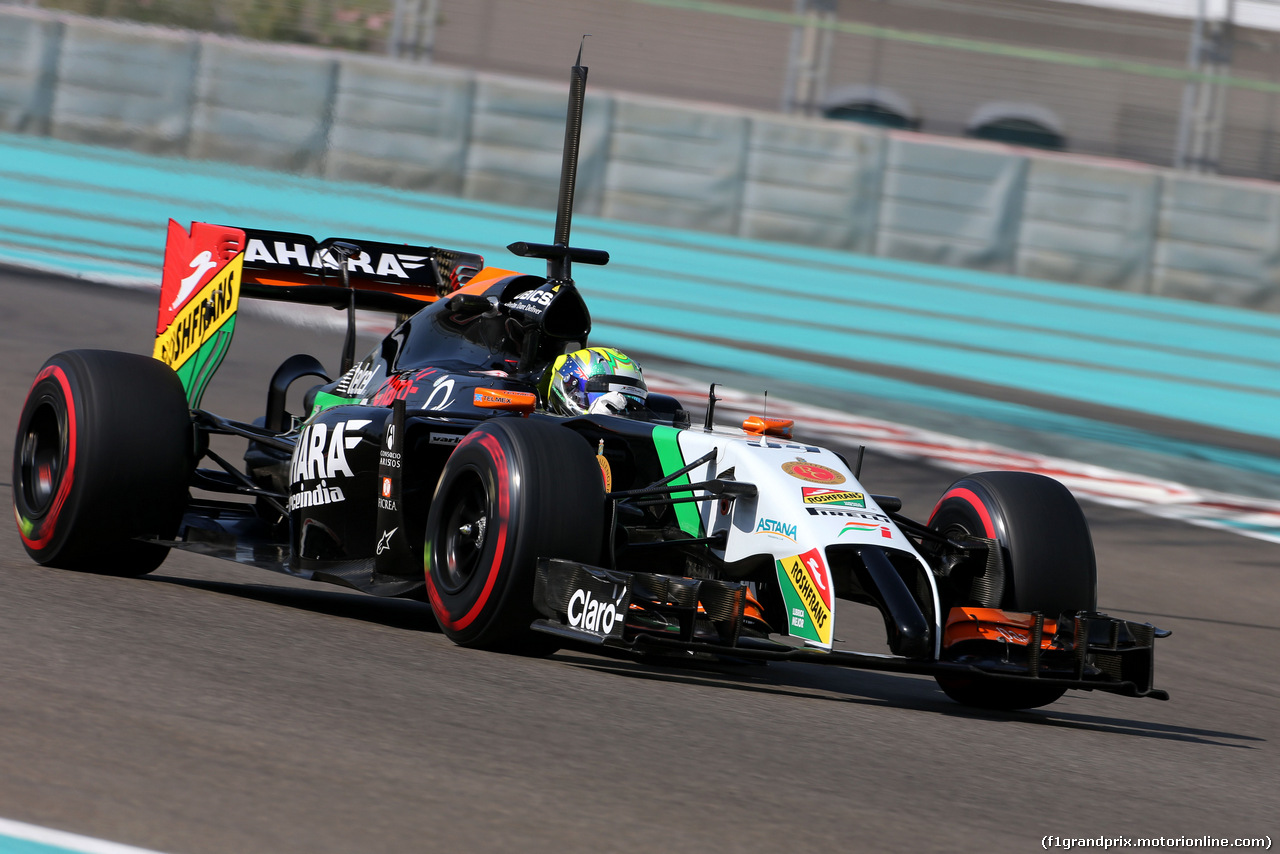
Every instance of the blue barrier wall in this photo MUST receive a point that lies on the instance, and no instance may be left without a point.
(826, 184)
(774, 311)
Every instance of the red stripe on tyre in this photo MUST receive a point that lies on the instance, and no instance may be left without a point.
(504, 502)
(974, 501)
(46, 526)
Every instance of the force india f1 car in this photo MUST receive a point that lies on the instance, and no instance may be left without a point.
(428, 470)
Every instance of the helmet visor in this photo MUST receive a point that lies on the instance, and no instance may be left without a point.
(631, 387)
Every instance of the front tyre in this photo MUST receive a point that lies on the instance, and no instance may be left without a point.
(102, 455)
(1047, 561)
(513, 490)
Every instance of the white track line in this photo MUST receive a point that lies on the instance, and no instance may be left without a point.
(61, 840)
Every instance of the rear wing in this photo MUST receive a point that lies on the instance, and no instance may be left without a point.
(207, 270)
(386, 276)
(283, 265)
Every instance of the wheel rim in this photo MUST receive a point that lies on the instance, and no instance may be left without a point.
(464, 532)
(43, 457)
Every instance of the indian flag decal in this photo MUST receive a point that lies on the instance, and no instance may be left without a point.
(866, 528)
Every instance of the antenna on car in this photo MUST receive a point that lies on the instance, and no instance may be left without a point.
(569, 161)
(560, 254)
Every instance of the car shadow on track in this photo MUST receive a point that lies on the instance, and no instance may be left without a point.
(868, 688)
(405, 614)
(1235, 624)
(1149, 729)
(780, 679)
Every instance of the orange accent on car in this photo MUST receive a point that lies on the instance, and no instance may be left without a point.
(483, 280)
(508, 401)
(993, 624)
(757, 425)
(286, 279)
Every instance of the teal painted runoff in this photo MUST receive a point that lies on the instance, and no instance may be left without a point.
(703, 298)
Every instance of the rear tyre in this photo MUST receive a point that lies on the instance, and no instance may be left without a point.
(1048, 563)
(513, 490)
(103, 455)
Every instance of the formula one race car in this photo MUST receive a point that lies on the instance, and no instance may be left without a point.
(430, 469)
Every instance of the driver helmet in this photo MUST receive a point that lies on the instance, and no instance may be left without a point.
(596, 380)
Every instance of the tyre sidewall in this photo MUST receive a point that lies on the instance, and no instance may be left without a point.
(44, 531)
(1048, 564)
(1043, 535)
(127, 452)
(550, 484)
(487, 454)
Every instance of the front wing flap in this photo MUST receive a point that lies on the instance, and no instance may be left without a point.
(1092, 652)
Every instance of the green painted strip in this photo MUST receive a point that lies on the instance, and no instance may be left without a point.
(666, 440)
(196, 372)
(186, 373)
(1052, 57)
(211, 361)
(324, 400)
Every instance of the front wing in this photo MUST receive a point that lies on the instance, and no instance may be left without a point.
(1092, 652)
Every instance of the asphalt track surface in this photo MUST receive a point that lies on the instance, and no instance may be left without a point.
(213, 708)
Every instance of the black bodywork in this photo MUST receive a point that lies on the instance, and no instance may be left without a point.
(344, 495)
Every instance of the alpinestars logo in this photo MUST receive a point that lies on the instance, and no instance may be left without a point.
(300, 255)
(385, 542)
